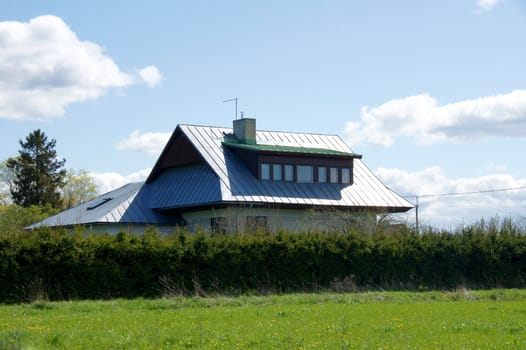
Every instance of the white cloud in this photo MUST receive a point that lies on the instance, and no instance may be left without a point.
(496, 167)
(487, 5)
(148, 142)
(109, 181)
(150, 75)
(423, 119)
(457, 209)
(44, 67)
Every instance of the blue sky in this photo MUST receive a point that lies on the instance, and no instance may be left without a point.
(431, 93)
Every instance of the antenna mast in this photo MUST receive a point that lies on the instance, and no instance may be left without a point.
(230, 100)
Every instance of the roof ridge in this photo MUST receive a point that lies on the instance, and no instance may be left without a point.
(263, 130)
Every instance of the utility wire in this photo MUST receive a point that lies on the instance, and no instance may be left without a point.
(467, 193)
(451, 194)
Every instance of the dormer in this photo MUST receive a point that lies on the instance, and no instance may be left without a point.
(299, 163)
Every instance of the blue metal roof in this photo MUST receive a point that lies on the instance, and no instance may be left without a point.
(223, 178)
(182, 186)
(238, 185)
(128, 204)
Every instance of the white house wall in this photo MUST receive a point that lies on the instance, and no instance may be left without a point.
(115, 228)
(292, 220)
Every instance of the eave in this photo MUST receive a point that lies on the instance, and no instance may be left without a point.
(230, 204)
(289, 150)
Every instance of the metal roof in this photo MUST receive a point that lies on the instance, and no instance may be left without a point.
(127, 204)
(224, 179)
(238, 185)
(192, 185)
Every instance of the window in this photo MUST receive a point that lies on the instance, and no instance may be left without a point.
(265, 171)
(289, 172)
(218, 225)
(102, 202)
(322, 174)
(305, 173)
(346, 175)
(255, 224)
(333, 175)
(276, 172)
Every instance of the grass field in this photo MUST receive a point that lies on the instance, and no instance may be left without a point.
(461, 319)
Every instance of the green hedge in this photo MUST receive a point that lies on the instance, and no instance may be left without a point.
(58, 265)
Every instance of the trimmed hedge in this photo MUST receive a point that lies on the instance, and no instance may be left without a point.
(56, 265)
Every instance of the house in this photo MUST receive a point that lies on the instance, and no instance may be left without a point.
(233, 179)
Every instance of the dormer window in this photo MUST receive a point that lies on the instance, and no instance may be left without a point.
(322, 174)
(304, 174)
(333, 175)
(265, 171)
(275, 162)
(276, 172)
(289, 172)
(346, 175)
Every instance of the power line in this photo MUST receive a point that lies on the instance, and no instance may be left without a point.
(451, 194)
(467, 193)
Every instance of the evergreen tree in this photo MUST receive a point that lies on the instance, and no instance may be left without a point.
(38, 172)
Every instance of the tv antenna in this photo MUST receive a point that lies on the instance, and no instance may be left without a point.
(230, 100)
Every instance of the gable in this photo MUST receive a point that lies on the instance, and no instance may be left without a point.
(178, 151)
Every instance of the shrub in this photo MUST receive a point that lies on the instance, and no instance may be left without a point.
(53, 264)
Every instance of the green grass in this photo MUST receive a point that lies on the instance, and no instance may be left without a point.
(460, 319)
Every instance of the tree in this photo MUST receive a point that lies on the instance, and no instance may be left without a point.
(7, 178)
(14, 218)
(79, 187)
(38, 173)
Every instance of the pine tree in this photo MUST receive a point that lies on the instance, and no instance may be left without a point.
(38, 173)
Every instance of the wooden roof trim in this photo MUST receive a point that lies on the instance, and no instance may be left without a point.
(173, 156)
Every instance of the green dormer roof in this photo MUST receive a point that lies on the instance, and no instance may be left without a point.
(233, 143)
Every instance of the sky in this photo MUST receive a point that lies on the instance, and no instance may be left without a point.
(432, 94)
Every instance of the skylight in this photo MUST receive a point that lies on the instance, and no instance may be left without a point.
(98, 204)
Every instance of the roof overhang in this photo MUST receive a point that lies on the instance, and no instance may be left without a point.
(234, 204)
(289, 150)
